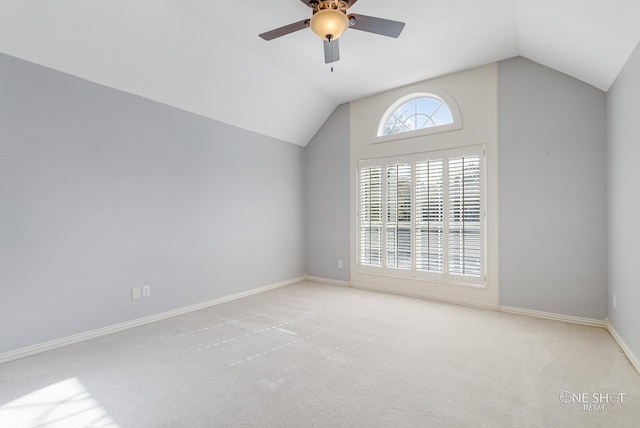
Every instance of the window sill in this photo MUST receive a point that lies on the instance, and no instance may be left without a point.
(483, 286)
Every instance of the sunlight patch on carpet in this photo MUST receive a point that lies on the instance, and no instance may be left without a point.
(65, 404)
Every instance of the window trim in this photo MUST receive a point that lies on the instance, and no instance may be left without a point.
(445, 277)
(442, 97)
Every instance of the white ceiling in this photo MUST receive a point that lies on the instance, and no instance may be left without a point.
(205, 56)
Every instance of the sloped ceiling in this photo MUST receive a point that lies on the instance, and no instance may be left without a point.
(205, 56)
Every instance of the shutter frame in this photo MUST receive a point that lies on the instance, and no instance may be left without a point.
(450, 215)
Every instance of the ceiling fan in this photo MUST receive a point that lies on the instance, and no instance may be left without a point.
(330, 20)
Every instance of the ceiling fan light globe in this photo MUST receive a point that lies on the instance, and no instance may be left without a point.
(329, 24)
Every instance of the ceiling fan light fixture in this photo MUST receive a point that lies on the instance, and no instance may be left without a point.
(329, 24)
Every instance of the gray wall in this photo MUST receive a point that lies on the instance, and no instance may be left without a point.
(552, 156)
(101, 191)
(623, 173)
(328, 198)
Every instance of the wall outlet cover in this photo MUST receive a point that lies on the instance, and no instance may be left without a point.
(136, 293)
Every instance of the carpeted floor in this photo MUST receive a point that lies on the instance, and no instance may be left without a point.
(311, 355)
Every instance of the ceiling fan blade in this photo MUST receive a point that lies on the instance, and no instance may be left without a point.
(384, 27)
(331, 51)
(310, 3)
(287, 29)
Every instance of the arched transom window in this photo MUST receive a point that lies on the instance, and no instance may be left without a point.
(418, 112)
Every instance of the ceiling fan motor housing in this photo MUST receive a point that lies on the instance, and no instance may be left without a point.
(329, 4)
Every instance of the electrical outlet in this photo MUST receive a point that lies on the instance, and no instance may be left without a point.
(146, 290)
(136, 293)
(615, 303)
(340, 264)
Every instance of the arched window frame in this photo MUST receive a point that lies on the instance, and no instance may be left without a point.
(446, 99)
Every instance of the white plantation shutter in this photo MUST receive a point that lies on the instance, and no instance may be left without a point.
(429, 209)
(398, 216)
(465, 216)
(370, 216)
(422, 216)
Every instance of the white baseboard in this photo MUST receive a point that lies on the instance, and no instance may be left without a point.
(555, 317)
(327, 281)
(528, 312)
(426, 296)
(58, 343)
(625, 348)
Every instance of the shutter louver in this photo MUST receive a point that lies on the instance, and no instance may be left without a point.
(429, 216)
(398, 212)
(371, 216)
(465, 216)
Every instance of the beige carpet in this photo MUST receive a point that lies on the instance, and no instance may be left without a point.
(311, 355)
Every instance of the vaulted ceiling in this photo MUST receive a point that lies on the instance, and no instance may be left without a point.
(205, 56)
